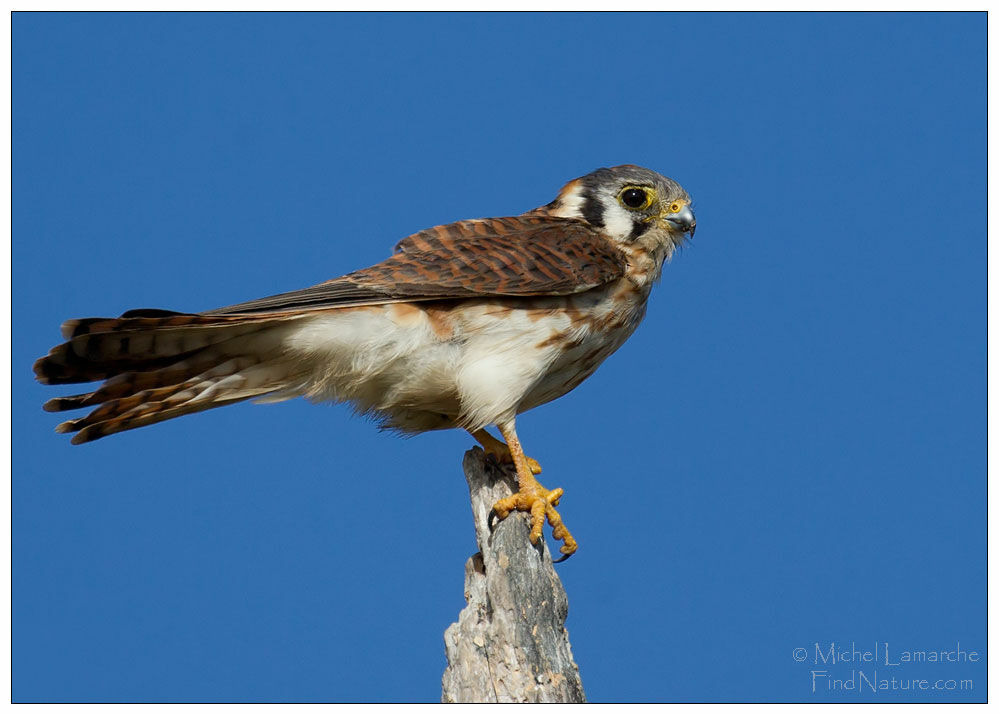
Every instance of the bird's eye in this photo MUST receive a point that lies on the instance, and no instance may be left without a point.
(675, 206)
(636, 198)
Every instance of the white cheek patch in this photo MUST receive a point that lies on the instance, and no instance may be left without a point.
(618, 222)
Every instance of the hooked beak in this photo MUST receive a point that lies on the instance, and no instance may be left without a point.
(682, 221)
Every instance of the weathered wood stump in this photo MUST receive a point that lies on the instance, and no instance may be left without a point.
(510, 644)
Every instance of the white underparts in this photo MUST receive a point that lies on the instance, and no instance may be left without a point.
(488, 362)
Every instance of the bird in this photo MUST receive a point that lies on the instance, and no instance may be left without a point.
(466, 325)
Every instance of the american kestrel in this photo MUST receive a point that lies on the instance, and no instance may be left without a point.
(466, 325)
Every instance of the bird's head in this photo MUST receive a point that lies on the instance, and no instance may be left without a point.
(630, 205)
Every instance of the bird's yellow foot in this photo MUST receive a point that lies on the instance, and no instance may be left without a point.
(531, 496)
(500, 451)
(541, 504)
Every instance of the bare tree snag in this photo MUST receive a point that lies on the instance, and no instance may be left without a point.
(510, 644)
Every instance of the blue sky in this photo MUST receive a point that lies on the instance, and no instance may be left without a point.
(791, 450)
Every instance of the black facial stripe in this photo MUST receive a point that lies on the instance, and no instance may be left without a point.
(593, 210)
(638, 229)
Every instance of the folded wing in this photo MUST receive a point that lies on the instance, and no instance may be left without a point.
(516, 256)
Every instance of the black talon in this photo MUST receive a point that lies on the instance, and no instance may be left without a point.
(489, 520)
(492, 460)
(565, 557)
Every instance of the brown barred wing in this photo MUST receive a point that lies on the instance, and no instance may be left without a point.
(516, 256)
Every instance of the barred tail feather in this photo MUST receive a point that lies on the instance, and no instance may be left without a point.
(159, 365)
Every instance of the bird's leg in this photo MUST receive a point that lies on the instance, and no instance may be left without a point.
(532, 497)
(499, 450)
